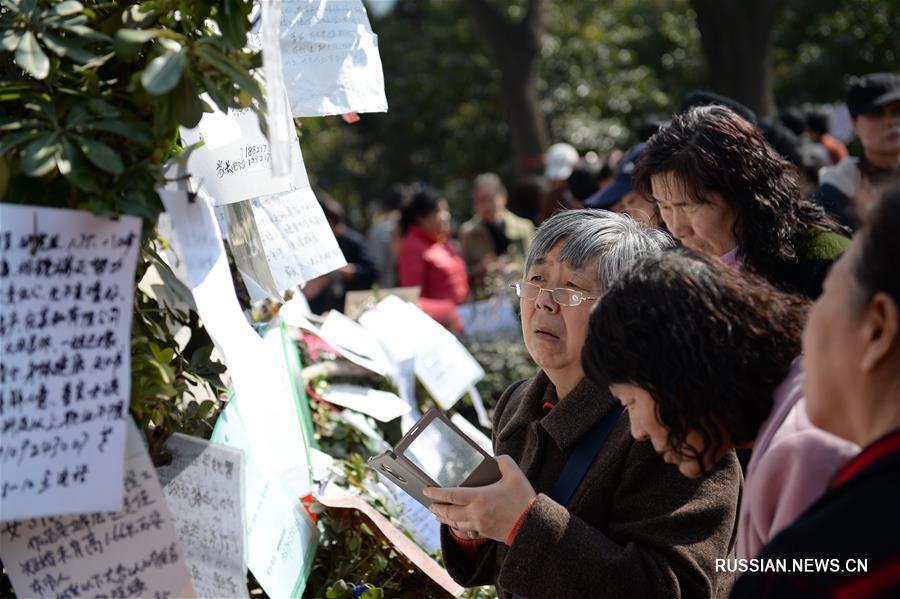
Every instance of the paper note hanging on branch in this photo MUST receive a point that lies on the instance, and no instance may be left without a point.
(232, 170)
(281, 540)
(330, 58)
(66, 293)
(443, 365)
(278, 111)
(354, 343)
(203, 490)
(131, 552)
(257, 367)
(282, 240)
(380, 405)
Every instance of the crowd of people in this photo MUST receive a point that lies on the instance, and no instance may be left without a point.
(707, 304)
(716, 320)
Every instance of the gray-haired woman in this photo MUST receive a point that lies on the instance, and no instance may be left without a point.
(624, 524)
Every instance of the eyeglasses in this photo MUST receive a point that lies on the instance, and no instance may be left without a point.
(561, 295)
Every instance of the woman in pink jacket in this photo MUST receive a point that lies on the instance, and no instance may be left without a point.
(429, 261)
(705, 359)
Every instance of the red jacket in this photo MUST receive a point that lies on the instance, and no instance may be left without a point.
(434, 266)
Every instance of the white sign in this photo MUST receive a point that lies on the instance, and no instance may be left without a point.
(380, 405)
(443, 365)
(283, 240)
(354, 343)
(330, 58)
(129, 553)
(257, 368)
(281, 539)
(66, 294)
(202, 485)
(230, 170)
(490, 318)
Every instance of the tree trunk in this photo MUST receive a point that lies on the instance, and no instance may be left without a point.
(515, 47)
(736, 40)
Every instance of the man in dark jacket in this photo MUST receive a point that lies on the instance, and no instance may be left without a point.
(848, 188)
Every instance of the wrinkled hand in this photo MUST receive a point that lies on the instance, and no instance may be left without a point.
(490, 511)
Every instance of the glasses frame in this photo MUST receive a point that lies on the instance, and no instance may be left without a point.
(552, 291)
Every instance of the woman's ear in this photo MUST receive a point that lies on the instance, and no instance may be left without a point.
(881, 330)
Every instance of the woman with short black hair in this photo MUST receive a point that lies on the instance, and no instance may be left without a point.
(705, 360)
(723, 190)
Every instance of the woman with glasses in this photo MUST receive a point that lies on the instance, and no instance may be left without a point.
(582, 510)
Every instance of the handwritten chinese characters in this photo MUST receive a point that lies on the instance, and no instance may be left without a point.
(283, 240)
(66, 289)
(235, 167)
(330, 58)
(202, 485)
(130, 552)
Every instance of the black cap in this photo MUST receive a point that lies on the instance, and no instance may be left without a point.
(700, 97)
(872, 91)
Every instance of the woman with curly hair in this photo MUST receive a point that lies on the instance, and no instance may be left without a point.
(705, 359)
(723, 190)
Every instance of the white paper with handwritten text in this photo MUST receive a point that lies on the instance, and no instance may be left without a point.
(202, 485)
(330, 58)
(132, 552)
(66, 292)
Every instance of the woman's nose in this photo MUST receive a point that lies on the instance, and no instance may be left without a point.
(545, 301)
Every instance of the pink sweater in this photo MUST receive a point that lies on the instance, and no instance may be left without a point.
(791, 466)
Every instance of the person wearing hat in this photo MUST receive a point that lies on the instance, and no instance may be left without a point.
(559, 162)
(848, 188)
(622, 197)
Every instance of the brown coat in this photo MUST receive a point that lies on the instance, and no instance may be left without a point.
(635, 526)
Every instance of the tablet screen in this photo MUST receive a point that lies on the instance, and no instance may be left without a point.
(443, 454)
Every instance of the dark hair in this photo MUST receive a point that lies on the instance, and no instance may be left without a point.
(421, 204)
(709, 343)
(712, 149)
(803, 154)
(794, 119)
(877, 264)
(582, 183)
(817, 121)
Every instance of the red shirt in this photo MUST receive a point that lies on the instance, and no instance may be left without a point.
(433, 265)
(837, 151)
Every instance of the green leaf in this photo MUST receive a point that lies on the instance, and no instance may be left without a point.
(220, 94)
(9, 40)
(79, 172)
(133, 130)
(66, 47)
(243, 79)
(163, 73)
(39, 157)
(374, 593)
(12, 140)
(102, 108)
(233, 24)
(100, 154)
(136, 36)
(186, 103)
(65, 156)
(128, 42)
(31, 58)
(67, 8)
